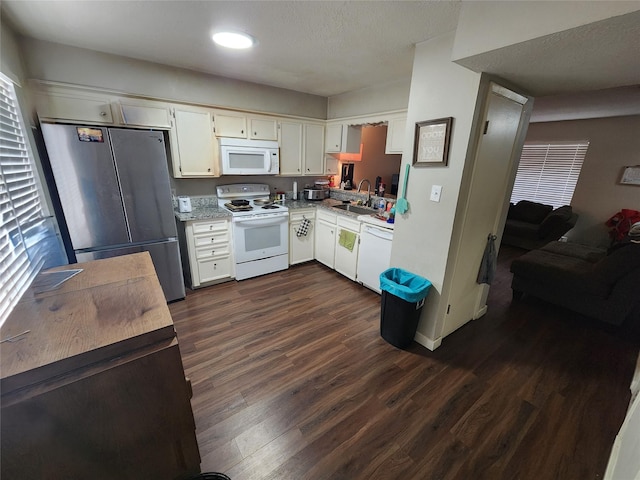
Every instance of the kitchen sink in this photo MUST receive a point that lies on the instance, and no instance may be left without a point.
(355, 209)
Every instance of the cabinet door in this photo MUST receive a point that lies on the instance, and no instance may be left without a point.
(210, 269)
(313, 151)
(325, 240)
(343, 138)
(145, 115)
(330, 165)
(300, 247)
(346, 261)
(333, 142)
(133, 410)
(395, 135)
(263, 129)
(62, 107)
(290, 148)
(230, 125)
(195, 151)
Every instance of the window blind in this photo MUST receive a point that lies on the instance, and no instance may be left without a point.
(548, 173)
(21, 215)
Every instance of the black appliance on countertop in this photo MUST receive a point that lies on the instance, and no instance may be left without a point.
(347, 175)
(394, 184)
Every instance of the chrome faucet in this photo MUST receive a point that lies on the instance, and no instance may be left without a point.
(368, 204)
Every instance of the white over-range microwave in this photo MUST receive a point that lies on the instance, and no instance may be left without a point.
(249, 157)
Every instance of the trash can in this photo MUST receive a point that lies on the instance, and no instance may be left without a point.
(403, 295)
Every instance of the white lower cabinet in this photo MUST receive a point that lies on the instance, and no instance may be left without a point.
(347, 244)
(209, 251)
(325, 237)
(301, 246)
(337, 241)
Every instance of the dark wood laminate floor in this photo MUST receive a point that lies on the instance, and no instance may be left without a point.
(292, 380)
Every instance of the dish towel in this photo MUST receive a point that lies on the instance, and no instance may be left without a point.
(303, 229)
(347, 239)
(489, 262)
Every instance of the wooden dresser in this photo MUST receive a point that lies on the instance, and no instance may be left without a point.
(96, 389)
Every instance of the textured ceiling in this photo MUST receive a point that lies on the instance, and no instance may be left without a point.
(319, 47)
(332, 47)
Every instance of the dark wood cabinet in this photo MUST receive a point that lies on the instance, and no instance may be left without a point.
(96, 389)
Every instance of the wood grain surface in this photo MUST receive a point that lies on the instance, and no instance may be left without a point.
(292, 380)
(113, 305)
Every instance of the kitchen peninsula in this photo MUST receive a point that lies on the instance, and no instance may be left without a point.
(92, 379)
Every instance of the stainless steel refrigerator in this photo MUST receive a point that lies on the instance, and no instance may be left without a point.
(114, 190)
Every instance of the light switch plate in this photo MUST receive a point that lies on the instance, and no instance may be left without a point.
(436, 191)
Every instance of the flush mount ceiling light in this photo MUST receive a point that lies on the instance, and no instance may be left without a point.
(234, 40)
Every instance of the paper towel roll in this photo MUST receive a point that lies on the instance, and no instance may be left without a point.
(295, 190)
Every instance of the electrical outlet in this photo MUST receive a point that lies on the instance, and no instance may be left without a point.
(436, 191)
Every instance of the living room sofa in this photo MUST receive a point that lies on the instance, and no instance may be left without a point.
(597, 283)
(532, 225)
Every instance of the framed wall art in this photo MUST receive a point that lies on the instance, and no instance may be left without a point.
(431, 145)
(631, 175)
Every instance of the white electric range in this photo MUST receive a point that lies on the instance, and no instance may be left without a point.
(260, 229)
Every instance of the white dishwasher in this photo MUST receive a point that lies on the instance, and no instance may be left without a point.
(375, 254)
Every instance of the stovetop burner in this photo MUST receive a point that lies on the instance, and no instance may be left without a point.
(271, 207)
(238, 208)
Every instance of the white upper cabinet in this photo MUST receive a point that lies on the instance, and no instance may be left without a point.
(313, 152)
(194, 148)
(263, 128)
(240, 125)
(230, 124)
(290, 148)
(144, 114)
(330, 165)
(301, 148)
(396, 128)
(342, 138)
(81, 108)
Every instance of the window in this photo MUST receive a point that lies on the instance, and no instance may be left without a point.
(548, 172)
(21, 217)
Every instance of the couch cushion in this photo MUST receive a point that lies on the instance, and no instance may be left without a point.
(522, 229)
(531, 212)
(576, 250)
(618, 263)
(560, 271)
(555, 220)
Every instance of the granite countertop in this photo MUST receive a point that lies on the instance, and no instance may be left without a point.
(206, 209)
(204, 212)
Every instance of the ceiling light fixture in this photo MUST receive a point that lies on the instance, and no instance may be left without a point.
(238, 41)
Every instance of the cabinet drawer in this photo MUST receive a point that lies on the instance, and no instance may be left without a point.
(212, 252)
(214, 269)
(210, 226)
(326, 216)
(299, 215)
(214, 237)
(348, 223)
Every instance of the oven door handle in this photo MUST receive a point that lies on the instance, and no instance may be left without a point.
(262, 222)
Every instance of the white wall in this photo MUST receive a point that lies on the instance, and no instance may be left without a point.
(10, 60)
(525, 20)
(613, 143)
(380, 98)
(59, 63)
(439, 88)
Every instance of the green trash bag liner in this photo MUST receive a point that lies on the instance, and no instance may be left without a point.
(405, 285)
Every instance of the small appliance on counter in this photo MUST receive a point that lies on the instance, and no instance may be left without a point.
(347, 176)
(184, 204)
(320, 191)
(316, 193)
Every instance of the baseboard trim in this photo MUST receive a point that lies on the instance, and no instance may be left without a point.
(427, 342)
(480, 313)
